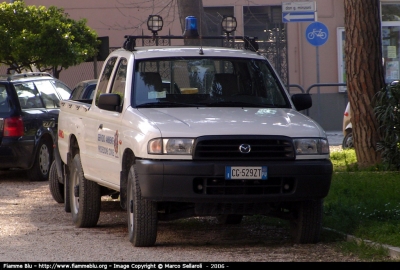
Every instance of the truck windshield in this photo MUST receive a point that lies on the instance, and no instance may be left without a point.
(184, 82)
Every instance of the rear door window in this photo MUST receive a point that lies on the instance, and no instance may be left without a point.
(28, 96)
(63, 90)
(4, 104)
(48, 94)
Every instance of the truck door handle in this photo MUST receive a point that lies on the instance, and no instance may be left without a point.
(101, 126)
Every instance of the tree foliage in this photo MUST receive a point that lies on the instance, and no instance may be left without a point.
(43, 38)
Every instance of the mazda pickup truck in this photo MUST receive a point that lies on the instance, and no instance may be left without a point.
(190, 131)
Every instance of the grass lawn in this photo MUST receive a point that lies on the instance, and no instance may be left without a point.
(363, 203)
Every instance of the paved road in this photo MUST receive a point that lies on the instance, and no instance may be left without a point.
(34, 228)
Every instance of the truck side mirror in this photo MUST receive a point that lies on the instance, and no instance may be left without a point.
(109, 102)
(302, 101)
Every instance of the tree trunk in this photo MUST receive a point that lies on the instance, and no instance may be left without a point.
(364, 73)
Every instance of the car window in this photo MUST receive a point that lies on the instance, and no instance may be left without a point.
(4, 105)
(105, 77)
(77, 92)
(118, 86)
(90, 91)
(28, 95)
(48, 94)
(207, 81)
(63, 90)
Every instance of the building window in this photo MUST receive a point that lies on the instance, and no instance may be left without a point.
(261, 21)
(214, 17)
(341, 37)
(391, 40)
(390, 12)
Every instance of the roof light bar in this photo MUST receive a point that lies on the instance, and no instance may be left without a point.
(229, 24)
(155, 23)
(190, 27)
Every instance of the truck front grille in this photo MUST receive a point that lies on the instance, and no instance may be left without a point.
(243, 148)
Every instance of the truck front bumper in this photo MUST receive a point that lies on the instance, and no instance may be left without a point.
(204, 182)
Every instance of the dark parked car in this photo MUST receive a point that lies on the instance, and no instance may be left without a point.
(84, 90)
(29, 108)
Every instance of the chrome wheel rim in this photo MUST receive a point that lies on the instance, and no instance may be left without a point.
(44, 159)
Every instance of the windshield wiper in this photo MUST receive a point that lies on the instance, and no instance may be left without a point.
(167, 104)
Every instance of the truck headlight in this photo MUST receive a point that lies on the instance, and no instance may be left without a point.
(171, 146)
(310, 146)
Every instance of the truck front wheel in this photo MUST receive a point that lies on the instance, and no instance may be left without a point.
(142, 214)
(307, 223)
(85, 197)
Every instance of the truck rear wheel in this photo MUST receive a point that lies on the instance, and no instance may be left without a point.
(142, 214)
(56, 188)
(85, 197)
(67, 199)
(307, 224)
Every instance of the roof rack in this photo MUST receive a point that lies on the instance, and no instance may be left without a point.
(249, 42)
(155, 24)
(28, 74)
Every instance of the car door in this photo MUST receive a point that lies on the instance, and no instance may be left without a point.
(5, 108)
(109, 125)
(33, 106)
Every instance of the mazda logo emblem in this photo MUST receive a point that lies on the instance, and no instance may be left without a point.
(245, 148)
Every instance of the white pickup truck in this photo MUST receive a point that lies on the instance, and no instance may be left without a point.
(177, 132)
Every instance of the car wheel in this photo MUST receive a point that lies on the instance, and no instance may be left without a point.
(85, 197)
(306, 225)
(41, 165)
(229, 219)
(56, 188)
(348, 141)
(142, 214)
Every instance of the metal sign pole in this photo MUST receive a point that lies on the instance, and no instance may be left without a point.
(318, 81)
(317, 35)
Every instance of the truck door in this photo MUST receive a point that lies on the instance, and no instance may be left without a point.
(109, 128)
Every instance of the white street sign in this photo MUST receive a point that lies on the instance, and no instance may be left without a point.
(299, 17)
(299, 7)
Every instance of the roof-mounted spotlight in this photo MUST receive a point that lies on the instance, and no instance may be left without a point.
(229, 24)
(190, 27)
(155, 23)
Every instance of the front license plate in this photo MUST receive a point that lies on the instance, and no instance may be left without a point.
(253, 173)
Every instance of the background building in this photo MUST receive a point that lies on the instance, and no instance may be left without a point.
(300, 63)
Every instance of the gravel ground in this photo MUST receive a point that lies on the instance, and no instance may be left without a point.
(34, 228)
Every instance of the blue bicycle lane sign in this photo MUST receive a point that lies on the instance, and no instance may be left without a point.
(317, 34)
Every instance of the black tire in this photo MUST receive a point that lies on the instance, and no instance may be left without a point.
(85, 197)
(56, 188)
(307, 224)
(229, 219)
(41, 166)
(67, 198)
(348, 141)
(142, 214)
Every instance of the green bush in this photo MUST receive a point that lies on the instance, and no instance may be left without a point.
(386, 109)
